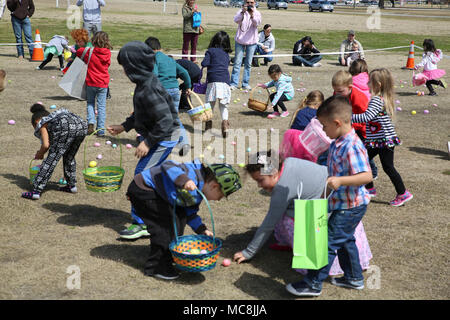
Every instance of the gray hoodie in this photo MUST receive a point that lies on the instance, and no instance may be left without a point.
(91, 10)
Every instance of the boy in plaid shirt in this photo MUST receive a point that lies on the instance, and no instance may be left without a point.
(349, 171)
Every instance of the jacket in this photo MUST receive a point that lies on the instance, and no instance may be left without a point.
(91, 10)
(247, 32)
(97, 72)
(217, 61)
(154, 117)
(187, 13)
(268, 42)
(346, 47)
(21, 10)
(361, 81)
(430, 60)
(168, 71)
(283, 85)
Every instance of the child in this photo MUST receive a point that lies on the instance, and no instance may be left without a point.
(81, 38)
(381, 137)
(430, 58)
(97, 80)
(360, 76)
(155, 191)
(348, 172)
(216, 61)
(55, 46)
(61, 133)
(353, 54)
(154, 118)
(167, 71)
(285, 90)
(307, 110)
(2, 80)
(282, 184)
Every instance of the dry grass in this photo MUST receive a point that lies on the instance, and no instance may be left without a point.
(41, 239)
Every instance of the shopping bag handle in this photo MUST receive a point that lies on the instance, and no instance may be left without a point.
(299, 191)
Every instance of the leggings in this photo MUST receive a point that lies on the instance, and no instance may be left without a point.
(49, 58)
(430, 83)
(279, 102)
(223, 109)
(387, 161)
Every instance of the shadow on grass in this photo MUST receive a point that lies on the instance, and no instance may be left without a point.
(432, 152)
(62, 98)
(254, 113)
(83, 215)
(24, 182)
(406, 94)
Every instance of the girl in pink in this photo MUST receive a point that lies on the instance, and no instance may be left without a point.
(360, 76)
(430, 58)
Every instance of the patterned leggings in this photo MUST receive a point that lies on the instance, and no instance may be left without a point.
(66, 134)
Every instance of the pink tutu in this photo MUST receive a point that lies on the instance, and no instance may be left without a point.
(434, 74)
(284, 233)
(291, 146)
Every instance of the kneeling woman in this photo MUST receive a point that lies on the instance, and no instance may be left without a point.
(282, 184)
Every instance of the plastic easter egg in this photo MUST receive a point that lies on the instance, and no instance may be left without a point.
(426, 111)
(194, 251)
(208, 147)
(221, 156)
(241, 165)
(186, 252)
(114, 145)
(39, 102)
(434, 105)
(413, 112)
(238, 99)
(11, 122)
(249, 149)
(399, 109)
(397, 101)
(201, 156)
(96, 144)
(244, 104)
(233, 143)
(226, 262)
(99, 157)
(108, 142)
(203, 251)
(62, 181)
(234, 101)
(128, 146)
(92, 164)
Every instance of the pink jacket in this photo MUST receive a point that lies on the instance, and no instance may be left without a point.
(247, 32)
(361, 81)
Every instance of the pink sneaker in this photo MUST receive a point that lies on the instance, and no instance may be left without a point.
(285, 114)
(400, 199)
(273, 115)
(372, 192)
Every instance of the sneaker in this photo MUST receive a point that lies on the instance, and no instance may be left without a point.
(33, 195)
(184, 150)
(400, 199)
(247, 87)
(90, 129)
(273, 115)
(233, 88)
(284, 114)
(316, 65)
(432, 93)
(135, 231)
(69, 189)
(170, 274)
(342, 282)
(38, 68)
(372, 192)
(301, 289)
(443, 84)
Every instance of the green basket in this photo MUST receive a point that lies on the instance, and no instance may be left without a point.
(33, 171)
(195, 262)
(103, 179)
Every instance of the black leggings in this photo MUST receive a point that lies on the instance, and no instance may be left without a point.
(279, 102)
(430, 83)
(387, 161)
(50, 57)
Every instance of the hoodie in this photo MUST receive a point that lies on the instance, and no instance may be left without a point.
(91, 10)
(361, 81)
(154, 117)
(97, 73)
(283, 85)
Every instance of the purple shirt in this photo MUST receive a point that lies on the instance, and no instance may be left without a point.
(247, 32)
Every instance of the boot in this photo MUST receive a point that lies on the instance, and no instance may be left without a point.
(90, 129)
(225, 127)
(208, 125)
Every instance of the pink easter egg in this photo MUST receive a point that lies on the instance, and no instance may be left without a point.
(233, 143)
(128, 146)
(226, 262)
(399, 109)
(426, 111)
(434, 105)
(397, 101)
(96, 144)
(39, 102)
(11, 122)
(99, 157)
(203, 251)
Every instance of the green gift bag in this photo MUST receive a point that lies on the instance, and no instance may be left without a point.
(310, 233)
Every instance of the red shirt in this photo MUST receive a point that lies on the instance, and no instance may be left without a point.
(359, 102)
(97, 73)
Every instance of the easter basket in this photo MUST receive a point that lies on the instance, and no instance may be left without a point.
(200, 113)
(257, 105)
(183, 244)
(33, 170)
(103, 179)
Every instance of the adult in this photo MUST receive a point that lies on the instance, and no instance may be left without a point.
(306, 54)
(248, 19)
(21, 12)
(2, 7)
(283, 184)
(346, 48)
(266, 45)
(190, 33)
(195, 73)
(92, 18)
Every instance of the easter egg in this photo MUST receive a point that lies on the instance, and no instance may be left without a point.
(241, 165)
(96, 144)
(249, 149)
(186, 252)
(132, 93)
(195, 251)
(114, 145)
(99, 156)
(11, 122)
(397, 101)
(399, 109)
(244, 104)
(413, 112)
(39, 102)
(62, 181)
(201, 156)
(203, 251)
(246, 91)
(208, 147)
(9, 81)
(53, 106)
(233, 143)
(108, 142)
(238, 99)
(128, 146)
(221, 156)
(426, 111)
(92, 164)
(234, 101)
(434, 105)
(226, 262)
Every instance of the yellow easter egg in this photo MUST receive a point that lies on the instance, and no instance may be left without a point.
(194, 251)
(413, 112)
(92, 164)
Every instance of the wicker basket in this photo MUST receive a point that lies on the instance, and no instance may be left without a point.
(33, 171)
(258, 105)
(103, 179)
(200, 113)
(182, 244)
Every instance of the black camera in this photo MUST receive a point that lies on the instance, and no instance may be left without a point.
(249, 8)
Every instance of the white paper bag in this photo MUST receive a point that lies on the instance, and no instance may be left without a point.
(73, 82)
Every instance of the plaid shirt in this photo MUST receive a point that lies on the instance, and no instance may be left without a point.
(347, 156)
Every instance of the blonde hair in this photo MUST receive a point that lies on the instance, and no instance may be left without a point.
(381, 83)
(342, 78)
(314, 98)
(2, 80)
(101, 40)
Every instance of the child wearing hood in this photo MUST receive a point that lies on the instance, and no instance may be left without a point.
(155, 118)
(285, 90)
(97, 80)
(360, 75)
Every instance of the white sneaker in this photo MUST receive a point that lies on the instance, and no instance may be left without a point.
(318, 64)
(233, 88)
(37, 68)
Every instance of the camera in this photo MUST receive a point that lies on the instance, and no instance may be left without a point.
(249, 8)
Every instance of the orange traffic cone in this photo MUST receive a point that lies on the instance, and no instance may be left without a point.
(38, 52)
(410, 61)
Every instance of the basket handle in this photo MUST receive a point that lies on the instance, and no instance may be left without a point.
(198, 98)
(29, 167)
(210, 212)
(87, 141)
(268, 93)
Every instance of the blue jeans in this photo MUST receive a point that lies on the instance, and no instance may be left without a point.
(25, 26)
(260, 51)
(239, 55)
(341, 230)
(175, 95)
(94, 94)
(297, 60)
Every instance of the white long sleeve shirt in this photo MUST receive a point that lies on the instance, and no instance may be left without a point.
(91, 10)
(430, 60)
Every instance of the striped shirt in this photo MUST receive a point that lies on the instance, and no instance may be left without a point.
(347, 156)
(380, 132)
